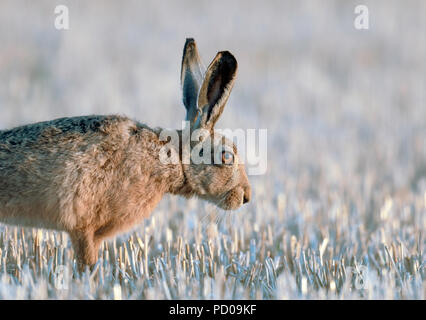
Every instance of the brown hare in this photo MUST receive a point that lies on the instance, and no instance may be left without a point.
(96, 176)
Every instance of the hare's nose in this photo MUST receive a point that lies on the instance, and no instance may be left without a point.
(247, 194)
(246, 198)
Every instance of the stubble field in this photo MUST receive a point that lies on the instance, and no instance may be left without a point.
(340, 212)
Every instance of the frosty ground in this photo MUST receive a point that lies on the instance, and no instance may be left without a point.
(340, 212)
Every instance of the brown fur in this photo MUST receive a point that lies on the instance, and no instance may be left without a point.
(96, 176)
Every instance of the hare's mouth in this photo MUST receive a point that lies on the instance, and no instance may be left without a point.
(231, 200)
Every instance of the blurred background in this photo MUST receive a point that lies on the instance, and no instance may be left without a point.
(344, 108)
(335, 100)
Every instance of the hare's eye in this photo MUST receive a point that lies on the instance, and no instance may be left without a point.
(227, 157)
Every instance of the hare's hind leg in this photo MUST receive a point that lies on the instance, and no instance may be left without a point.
(85, 247)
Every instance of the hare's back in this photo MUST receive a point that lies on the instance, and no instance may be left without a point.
(33, 133)
(46, 166)
(38, 153)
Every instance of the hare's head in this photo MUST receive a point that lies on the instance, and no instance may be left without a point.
(215, 172)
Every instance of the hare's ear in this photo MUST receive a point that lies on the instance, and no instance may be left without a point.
(217, 85)
(191, 78)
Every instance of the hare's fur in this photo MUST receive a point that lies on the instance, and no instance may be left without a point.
(90, 176)
(95, 176)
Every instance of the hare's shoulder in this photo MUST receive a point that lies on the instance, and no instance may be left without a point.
(105, 124)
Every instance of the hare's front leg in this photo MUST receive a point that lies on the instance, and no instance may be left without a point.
(86, 248)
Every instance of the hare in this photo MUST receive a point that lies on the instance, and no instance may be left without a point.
(96, 176)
